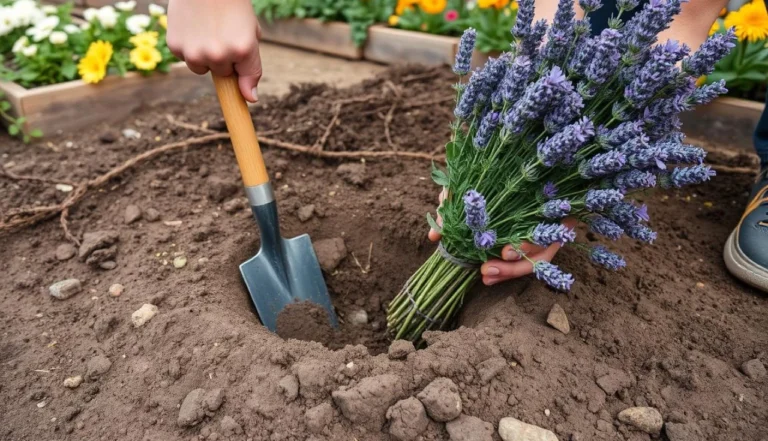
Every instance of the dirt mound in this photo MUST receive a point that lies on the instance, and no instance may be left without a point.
(673, 331)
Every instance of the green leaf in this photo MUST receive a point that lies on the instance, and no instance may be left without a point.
(36, 133)
(433, 224)
(439, 176)
(21, 120)
(5, 105)
(13, 130)
(69, 70)
(717, 76)
(754, 75)
(28, 75)
(25, 139)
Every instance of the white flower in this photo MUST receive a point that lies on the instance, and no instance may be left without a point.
(137, 24)
(72, 29)
(58, 37)
(38, 34)
(90, 14)
(471, 5)
(85, 26)
(48, 23)
(126, 6)
(27, 13)
(107, 17)
(50, 9)
(7, 21)
(156, 10)
(20, 44)
(29, 51)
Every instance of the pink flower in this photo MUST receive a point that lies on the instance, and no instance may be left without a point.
(452, 15)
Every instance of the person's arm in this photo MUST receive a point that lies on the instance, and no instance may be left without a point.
(221, 36)
(692, 25)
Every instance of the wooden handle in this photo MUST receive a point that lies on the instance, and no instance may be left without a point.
(241, 131)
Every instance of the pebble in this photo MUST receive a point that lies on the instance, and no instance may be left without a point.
(41, 404)
(65, 251)
(152, 215)
(558, 320)
(107, 137)
(64, 188)
(306, 212)
(179, 262)
(754, 369)
(330, 253)
(65, 289)
(441, 399)
(191, 411)
(108, 265)
(131, 134)
(469, 428)
(143, 314)
(407, 419)
(399, 349)
(73, 382)
(289, 385)
(116, 290)
(647, 419)
(132, 214)
(213, 399)
(98, 366)
(358, 317)
(511, 429)
(234, 205)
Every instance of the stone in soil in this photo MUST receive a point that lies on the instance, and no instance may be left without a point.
(191, 411)
(614, 381)
(358, 317)
(152, 215)
(399, 349)
(646, 419)
(132, 214)
(319, 417)
(213, 399)
(490, 368)
(219, 189)
(97, 366)
(229, 427)
(179, 262)
(289, 386)
(683, 432)
(73, 382)
(754, 369)
(558, 320)
(353, 173)
(65, 289)
(65, 251)
(131, 134)
(469, 428)
(367, 402)
(116, 290)
(102, 256)
(441, 399)
(306, 212)
(143, 314)
(407, 419)
(235, 205)
(330, 253)
(96, 240)
(511, 429)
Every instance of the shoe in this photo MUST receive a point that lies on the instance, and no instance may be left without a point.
(746, 252)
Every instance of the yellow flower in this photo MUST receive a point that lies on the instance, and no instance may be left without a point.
(393, 20)
(501, 4)
(145, 58)
(101, 50)
(92, 69)
(514, 6)
(715, 28)
(485, 4)
(403, 5)
(701, 80)
(146, 38)
(751, 22)
(433, 6)
(163, 20)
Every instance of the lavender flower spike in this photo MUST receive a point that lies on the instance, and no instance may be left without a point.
(642, 233)
(606, 58)
(649, 158)
(656, 74)
(474, 209)
(514, 82)
(627, 5)
(706, 94)
(601, 256)
(603, 165)
(485, 240)
(485, 131)
(464, 54)
(655, 17)
(599, 200)
(590, 5)
(622, 133)
(529, 47)
(556, 209)
(634, 179)
(565, 113)
(605, 227)
(545, 235)
(525, 11)
(627, 215)
(704, 60)
(684, 154)
(562, 147)
(681, 177)
(550, 190)
(553, 276)
(537, 99)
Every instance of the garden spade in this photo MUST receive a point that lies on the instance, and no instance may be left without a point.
(284, 271)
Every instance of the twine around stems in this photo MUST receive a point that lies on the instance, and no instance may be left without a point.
(455, 260)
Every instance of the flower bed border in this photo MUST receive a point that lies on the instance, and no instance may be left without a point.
(73, 105)
(333, 38)
(390, 46)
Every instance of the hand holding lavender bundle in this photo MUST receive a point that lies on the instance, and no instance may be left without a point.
(569, 128)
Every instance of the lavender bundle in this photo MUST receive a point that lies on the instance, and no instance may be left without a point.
(571, 127)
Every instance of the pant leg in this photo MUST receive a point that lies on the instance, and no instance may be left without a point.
(761, 137)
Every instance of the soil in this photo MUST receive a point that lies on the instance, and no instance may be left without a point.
(672, 331)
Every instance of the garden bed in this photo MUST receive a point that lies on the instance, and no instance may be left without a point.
(333, 38)
(390, 45)
(670, 331)
(729, 121)
(74, 105)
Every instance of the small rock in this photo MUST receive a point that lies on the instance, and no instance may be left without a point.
(490, 368)
(174, 369)
(683, 432)
(108, 137)
(102, 255)
(469, 428)
(70, 413)
(353, 173)
(108, 265)
(131, 134)
(152, 215)
(289, 385)
(65, 289)
(614, 381)
(318, 417)
(511, 429)
(116, 290)
(191, 411)
(399, 349)
(132, 214)
(143, 314)
(213, 399)
(235, 205)
(229, 427)
(97, 366)
(367, 402)
(65, 251)
(358, 317)
(179, 262)
(647, 419)
(558, 320)
(330, 253)
(64, 188)
(754, 369)
(220, 189)
(96, 240)
(73, 382)
(441, 399)
(104, 325)
(407, 419)
(306, 212)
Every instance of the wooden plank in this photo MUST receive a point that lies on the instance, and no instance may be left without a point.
(74, 105)
(726, 121)
(13, 93)
(393, 46)
(333, 38)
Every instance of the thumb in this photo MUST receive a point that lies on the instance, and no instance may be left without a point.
(249, 73)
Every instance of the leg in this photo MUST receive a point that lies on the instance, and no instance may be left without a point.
(761, 137)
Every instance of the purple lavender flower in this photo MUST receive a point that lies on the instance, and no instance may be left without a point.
(706, 94)
(660, 111)
(583, 27)
(494, 71)
(704, 60)
(606, 58)
(601, 256)
(464, 54)
(522, 29)
(642, 233)
(538, 97)
(485, 240)
(565, 113)
(545, 235)
(655, 17)
(648, 158)
(683, 154)
(603, 165)
(529, 47)
(626, 214)
(623, 133)
(590, 5)
(561, 33)
(474, 209)
(599, 200)
(556, 209)
(656, 74)
(550, 190)
(515, 80)
(562, 147)
(627, 5)
(485, 131)
(583, 56)
(681, 177)
(634, 179)
(634, 145)
(553, 276)
(605, 227)
(470, 96)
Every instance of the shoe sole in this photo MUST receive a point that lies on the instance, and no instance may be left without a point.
(742, 266)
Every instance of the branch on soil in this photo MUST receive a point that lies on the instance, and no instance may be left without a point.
(15, 177)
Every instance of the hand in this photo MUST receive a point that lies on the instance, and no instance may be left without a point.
(220, 36)
(512, 264)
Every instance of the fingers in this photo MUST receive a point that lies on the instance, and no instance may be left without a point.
(249, 71)
(433, 235)
(495, 271)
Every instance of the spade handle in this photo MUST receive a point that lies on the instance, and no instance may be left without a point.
(241, 131)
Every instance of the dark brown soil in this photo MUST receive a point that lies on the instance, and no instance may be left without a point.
(671, 331)
(305, 321)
